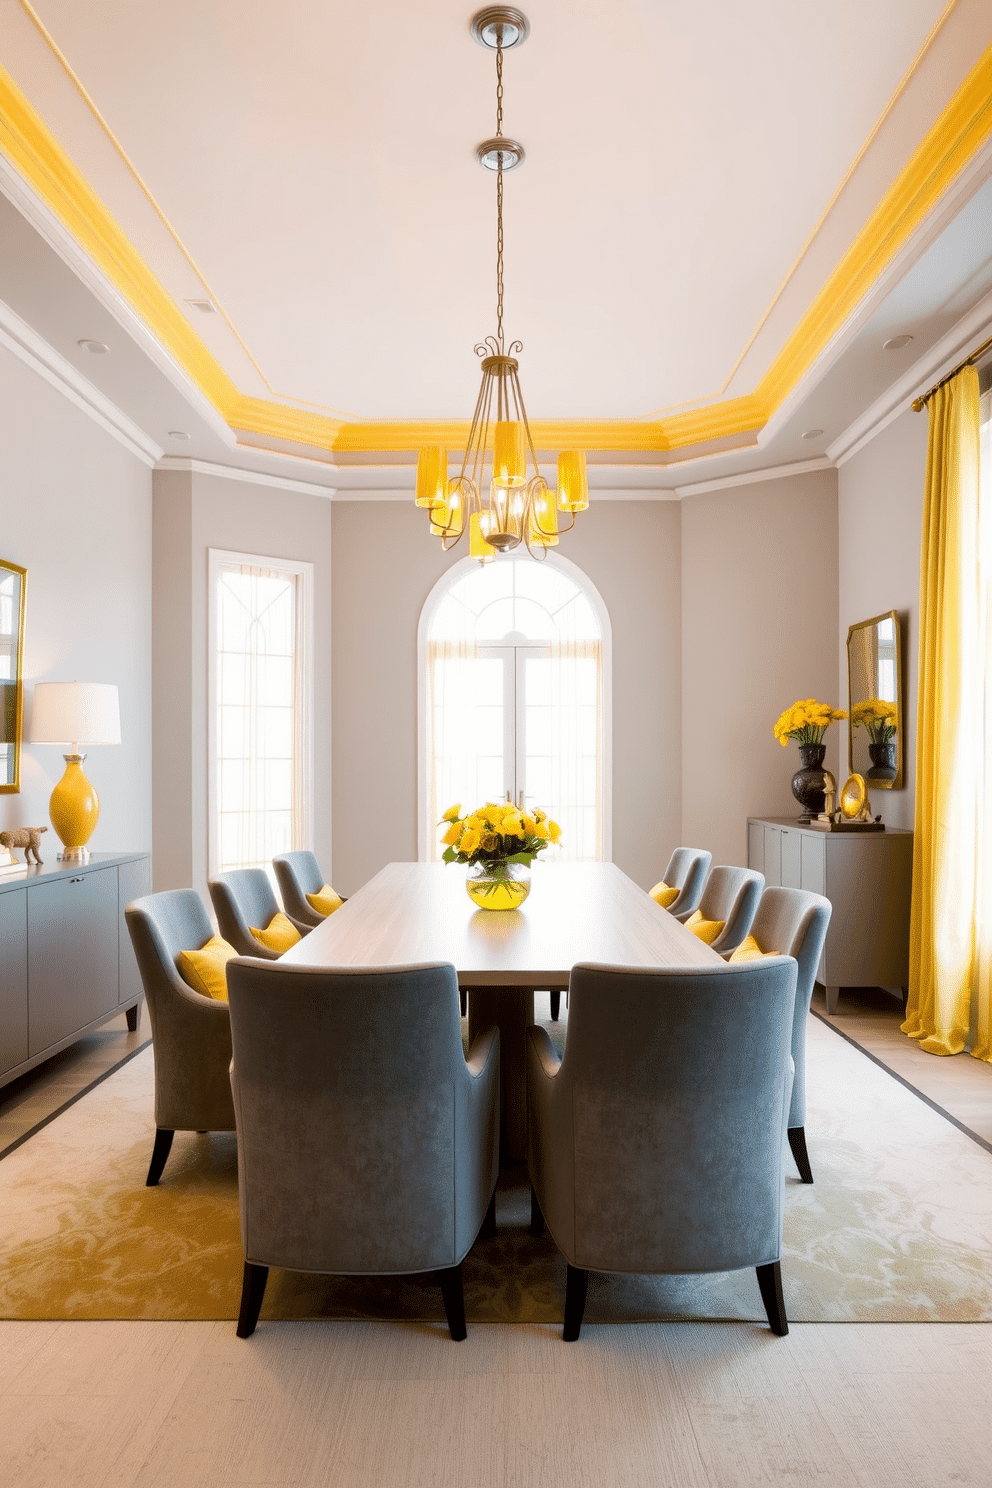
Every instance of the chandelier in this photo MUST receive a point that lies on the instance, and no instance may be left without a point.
(515, 505)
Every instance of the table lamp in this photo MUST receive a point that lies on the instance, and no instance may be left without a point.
(75, 713)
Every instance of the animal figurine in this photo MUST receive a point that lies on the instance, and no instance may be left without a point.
(27, 837)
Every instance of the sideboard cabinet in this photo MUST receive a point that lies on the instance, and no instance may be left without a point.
(867, 876)
(66, 963)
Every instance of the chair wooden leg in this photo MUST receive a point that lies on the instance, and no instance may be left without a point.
(770, 1286)
(133, 1016)
(252, 1292)
(454, 1302)
(797, 1141)
(555, 996)
(536, 1217)
(161, 1150)
(488, 1230)
(576, 1285)
(463, 999)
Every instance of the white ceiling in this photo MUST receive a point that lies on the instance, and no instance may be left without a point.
(693, 174)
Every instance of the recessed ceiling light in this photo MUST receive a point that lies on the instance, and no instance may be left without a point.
(812, 433)
(96, 347)
(205, 307)
(178, 434)
(896, 343)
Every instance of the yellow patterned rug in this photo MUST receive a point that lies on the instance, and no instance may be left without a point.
(898, 1225)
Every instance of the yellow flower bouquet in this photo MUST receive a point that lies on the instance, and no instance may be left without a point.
(499, 843)
(806, 722)
(877, 717)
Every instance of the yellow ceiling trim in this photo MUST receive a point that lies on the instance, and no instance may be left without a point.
(29, 145)
(962, 129)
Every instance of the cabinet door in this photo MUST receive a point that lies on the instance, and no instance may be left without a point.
(134, 879)
(773, 855)
(73, 955)
(13, 978)
(756, 845)
(813, 873)
(792, 842)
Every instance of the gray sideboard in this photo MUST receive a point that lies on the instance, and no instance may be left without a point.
(66, 963)
(867, 876)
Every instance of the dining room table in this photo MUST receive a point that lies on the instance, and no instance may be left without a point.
(415, 912)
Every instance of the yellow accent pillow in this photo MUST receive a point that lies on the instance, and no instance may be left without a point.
(325, 901)
(707, 930)
(279, 934)
(664, 895)
(750, 950)
(205, 970)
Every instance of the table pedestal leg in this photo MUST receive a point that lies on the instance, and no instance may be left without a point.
(511, 1009)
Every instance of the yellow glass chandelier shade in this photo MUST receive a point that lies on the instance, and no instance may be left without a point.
(447, 516)
(543, 530)
(477, 546)
(573, 487)
(509, 454)
(74, 807)
(432, 476)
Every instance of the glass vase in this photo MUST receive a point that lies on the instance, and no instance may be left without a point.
(498, 884)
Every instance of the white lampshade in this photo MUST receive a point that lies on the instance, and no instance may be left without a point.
(75, 713)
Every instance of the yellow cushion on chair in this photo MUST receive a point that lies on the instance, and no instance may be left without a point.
(663, 894)
(707, 930)
(325, 901)
(279, 934)
(750, 950)
(205, 970)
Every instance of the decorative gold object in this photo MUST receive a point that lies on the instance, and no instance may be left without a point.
(854, 803)
(874, 680)
(516, 505)
(13, 592)
(75, 712)
(29, 838)
(829, 796)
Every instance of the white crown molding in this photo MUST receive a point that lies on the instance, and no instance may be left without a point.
(921, 376)
(61, 241)
(49, 364)
(755, 477)
(251, 477)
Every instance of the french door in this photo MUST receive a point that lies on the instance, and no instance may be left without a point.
(521, 770)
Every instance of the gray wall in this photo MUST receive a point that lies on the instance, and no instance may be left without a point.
(880, 507)
(75, 511)
(193, 513)
(759, 621)
(385, 565)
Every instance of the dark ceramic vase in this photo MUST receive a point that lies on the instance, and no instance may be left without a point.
(808, 783)
(883, 760)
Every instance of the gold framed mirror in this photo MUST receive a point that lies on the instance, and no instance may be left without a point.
(13, 587)
(874, 680)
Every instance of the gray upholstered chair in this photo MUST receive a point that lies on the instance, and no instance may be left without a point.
(298, 874)
(241, 898)
(731, 895)
(686, 871)
(191, 1034)
(367, 1143)
(655, 1143)
(794, 923)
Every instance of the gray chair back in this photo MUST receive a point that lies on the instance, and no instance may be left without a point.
(656, 1141)
(731, 895)
(794, 922)
(686, 871)
(298, 874)
(366, 1143)
(191, 1034)
(242, 898)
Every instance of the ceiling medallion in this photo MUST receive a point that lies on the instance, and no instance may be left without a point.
(500, 496)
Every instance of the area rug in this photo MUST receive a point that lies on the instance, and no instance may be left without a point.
(898, 1225)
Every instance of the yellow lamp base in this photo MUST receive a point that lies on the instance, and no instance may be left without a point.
(75, 810)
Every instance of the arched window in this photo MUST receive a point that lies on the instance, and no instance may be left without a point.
(515, 698)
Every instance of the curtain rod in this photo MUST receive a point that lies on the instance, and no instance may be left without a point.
(920, 403)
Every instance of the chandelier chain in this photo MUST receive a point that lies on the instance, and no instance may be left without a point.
(499, 194)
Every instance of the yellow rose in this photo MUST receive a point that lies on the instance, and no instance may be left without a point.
(451, 836)
(453, 813)
(542, 831)
(555, 830)
(490, 842)
(529, 822)
(470, 841)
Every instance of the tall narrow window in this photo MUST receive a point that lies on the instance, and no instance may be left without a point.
(515, 698)
(260, 785)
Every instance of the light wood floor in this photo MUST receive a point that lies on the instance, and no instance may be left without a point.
(337, 1405)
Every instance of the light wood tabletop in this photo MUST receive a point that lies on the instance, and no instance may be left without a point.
(412, 912)
(576, 912)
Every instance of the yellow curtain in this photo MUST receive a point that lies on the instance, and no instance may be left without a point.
(947, 882)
